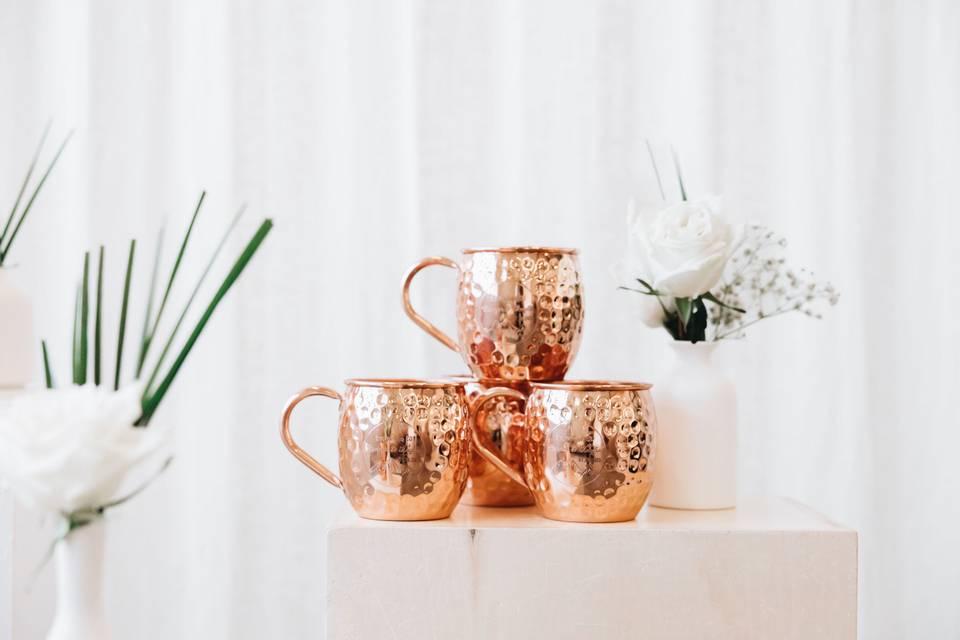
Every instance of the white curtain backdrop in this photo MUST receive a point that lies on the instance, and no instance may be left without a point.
(375, 133)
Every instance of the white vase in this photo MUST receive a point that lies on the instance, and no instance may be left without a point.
(80, 611)
(16, 334)
(696, 466)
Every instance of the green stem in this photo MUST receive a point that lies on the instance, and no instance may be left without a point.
(47, 375)
(84, 319)
(36, 191)
(151, 399)
(97, 348)
(123, 315)
(26, 180)
(166, 294)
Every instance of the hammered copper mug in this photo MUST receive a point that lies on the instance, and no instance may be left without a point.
(519, 311)
(499, 424)
(589, 448)
(404, 445)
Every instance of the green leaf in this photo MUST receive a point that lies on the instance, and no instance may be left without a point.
(648, 286)
(47, 375)
(697, 326)
(150, 297)
(151, 399)
(193, 295)
(684, 307)
(97, 347)
(84, 319)
(36, 191)
(123, 315)
(23, 185)
(166, 294)
(712, 298)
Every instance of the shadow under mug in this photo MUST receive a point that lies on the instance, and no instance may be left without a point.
(519, 311)
(588, 449)
(404, 445)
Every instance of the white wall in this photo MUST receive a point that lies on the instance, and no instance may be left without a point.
(379, 132)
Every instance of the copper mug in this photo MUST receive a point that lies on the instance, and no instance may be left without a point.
(588, 449)
(519, 311)
(404, 445)
(499, 424)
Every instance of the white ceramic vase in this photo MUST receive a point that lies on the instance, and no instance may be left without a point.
(696, 405)
(80, 610)
(16, 334)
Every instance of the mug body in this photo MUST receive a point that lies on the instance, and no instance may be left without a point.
(590, 448)
(519, 312)
(404, 447)
(500, 425)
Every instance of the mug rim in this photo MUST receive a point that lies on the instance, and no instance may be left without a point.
(403, 383)
(592, 385)
(521, 249)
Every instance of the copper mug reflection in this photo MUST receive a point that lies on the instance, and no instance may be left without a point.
(404, 445)
(499, 424)
(588, 451)
(519, 311)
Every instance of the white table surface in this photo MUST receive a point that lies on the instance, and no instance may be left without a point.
(772, 568)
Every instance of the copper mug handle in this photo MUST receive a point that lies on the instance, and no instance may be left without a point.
(294, 448)
(420, 321)
(491, 456)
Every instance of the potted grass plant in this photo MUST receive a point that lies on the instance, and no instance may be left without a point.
(16, 311)
(77, 448)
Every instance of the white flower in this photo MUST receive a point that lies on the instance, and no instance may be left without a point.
(682, 252)
(69, 449)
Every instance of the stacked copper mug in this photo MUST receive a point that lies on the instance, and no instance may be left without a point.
(581, 450)
(513, 432)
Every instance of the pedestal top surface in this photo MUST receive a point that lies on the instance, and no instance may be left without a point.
(760, 514)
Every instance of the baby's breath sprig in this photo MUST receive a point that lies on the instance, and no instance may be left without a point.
(759, 280)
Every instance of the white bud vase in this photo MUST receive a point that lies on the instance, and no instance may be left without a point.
(17, 350)
(697, 433)
(80, 611)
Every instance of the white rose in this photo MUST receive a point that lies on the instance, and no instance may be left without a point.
(682, 252)
(68, 449)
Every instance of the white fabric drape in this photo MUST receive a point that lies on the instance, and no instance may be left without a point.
(376, 133)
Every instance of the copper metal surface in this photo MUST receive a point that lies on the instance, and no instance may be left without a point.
(519, 311)
(404, 445)
(588, 450)
(499, 424)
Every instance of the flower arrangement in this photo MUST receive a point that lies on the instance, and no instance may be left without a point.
(703, 278)
(17, 216)
(69, 449)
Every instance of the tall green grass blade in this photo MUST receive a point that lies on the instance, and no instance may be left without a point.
(676, 165)
(166, 293)
(75, 356)
(123, 315)
(656, 170)
(26, 181)
(33, 196)
(193, 295)
(47, 374)
(151, 399)
(97, 347)
(150, 295)
(84, 319)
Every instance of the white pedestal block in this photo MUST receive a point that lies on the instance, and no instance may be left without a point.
(771, 568)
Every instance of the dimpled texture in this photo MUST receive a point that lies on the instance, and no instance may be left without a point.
(404, 452)
(520, 314)
(589, 454)
(500, 425)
